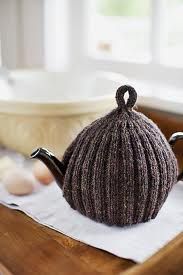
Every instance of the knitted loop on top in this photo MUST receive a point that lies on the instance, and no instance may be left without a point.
(120, 97)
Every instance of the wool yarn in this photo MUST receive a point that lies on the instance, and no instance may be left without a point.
(120, 168)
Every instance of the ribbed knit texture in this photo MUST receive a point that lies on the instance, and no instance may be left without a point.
(119, 169)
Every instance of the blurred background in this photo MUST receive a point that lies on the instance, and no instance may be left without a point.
(49, 34)
(139, 42)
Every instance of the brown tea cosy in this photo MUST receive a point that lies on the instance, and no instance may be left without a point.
(120, 168)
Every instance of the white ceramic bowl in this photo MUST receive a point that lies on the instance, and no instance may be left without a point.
(49, 109)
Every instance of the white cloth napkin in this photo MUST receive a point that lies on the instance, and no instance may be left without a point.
(137, 242)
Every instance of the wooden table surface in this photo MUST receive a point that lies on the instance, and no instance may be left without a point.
(27, 247)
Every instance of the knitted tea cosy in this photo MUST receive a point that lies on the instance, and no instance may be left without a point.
(119, 169)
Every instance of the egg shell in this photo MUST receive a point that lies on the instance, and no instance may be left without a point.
(41, 173)
(19, 182)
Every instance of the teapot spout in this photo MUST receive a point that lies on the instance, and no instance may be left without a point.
(55, 166)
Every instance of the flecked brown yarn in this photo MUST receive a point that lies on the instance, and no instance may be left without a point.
(120, 168)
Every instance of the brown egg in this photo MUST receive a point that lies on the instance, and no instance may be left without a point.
(42, 173)
(18, 181)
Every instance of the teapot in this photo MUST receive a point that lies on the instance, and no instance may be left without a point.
(120, 169)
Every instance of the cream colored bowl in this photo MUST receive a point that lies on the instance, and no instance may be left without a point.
(49, 109)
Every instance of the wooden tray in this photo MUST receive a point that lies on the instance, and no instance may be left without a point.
(27, 247)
